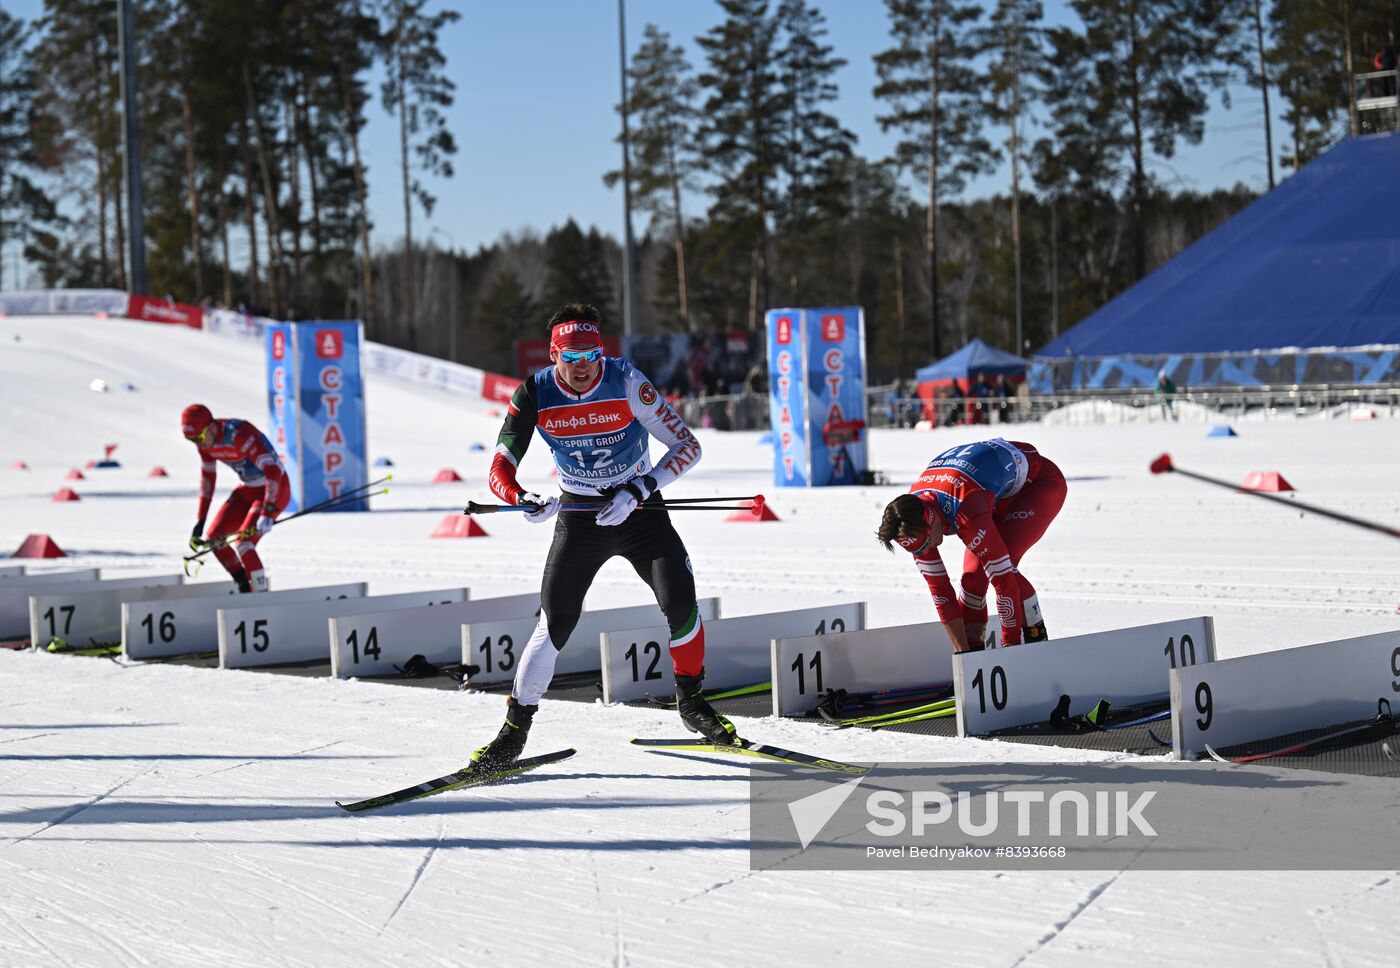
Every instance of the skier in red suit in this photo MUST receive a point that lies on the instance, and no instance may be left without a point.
(252, 508)
(998, 496)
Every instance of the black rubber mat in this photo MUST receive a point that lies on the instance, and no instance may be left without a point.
(194, 661)
(1366, 754)
(1129, 739)
(1363, 754)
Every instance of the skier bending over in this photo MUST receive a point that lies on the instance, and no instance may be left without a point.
(596, 414)
(999, 497)
(252, 508)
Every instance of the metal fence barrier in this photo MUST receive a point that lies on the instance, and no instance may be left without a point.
(888, 408)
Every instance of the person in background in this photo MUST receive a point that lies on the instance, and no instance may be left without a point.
(998, 496)
(1384, 61)
(1166, 394)
(955, 400)
(252, 508)
(981, 400)
(1004, 393)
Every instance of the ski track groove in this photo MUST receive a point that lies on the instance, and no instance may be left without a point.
(619, 941)
(105, 938)
(1062, 926)
(247, 931)
(266, 873)
(1323, 912)
(74, 811)
(21, 739)
(417, 875)
(39, 942)
(1328, 959)
(239, 766)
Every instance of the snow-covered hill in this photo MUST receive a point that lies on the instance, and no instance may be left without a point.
(171, 816)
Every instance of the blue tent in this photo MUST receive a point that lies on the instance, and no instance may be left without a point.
(974, 358)
(1314, 263)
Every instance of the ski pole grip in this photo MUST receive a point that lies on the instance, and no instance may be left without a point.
(474, 508)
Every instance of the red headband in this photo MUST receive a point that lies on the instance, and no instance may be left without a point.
(576, 334)
(919, 543)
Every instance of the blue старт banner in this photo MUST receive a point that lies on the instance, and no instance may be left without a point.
(317, 405)
(817, 405)
(787, 398)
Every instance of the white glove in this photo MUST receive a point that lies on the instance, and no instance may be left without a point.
(624, 502)
(264, 524)
(544, 509)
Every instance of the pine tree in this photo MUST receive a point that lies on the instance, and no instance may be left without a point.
(75, 69)
(1015, 42)
(664, 161)
(816, 146)
(1309, 58)
(929, 82)
(578, 269)
(1142, 74)
(418, 91)
(741, 133)
(25, 209)
(506, 313)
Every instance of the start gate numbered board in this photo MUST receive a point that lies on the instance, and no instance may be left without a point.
(373, 643)
(886, 658)
(738, 650)
(495, 647)
(1020, 685)
(261, 634)
(93, 615)
(156, 630)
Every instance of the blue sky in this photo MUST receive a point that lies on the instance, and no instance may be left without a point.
(534, 119)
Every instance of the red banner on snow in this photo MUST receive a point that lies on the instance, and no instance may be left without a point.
(533, 354)
(497, 387)
(163, 311)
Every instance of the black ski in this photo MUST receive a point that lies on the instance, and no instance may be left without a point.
(743, 747)
(460, 780)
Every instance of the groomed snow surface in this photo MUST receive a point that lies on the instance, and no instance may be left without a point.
(161, 815)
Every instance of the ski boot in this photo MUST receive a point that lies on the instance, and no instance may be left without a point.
(698, 715)
(505, 749)
(1034, 633)
(240, 578)
(976, 637)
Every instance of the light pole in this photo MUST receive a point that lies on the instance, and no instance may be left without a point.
(629, 256)
(451, 293)
(131, 152)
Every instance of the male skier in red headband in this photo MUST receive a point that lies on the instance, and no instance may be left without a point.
(252, 508)
(597, 415)
(999, 497)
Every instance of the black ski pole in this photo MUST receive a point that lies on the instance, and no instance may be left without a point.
(1164, 465)
(352, 495)
(678, 504)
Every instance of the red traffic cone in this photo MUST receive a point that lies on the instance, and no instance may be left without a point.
(459, 526)
(446, 476)
(1265, 481)
(158, 471)
(760, 512)
(66, 494)
(39, 546)
(74, 475)
(18, 465)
